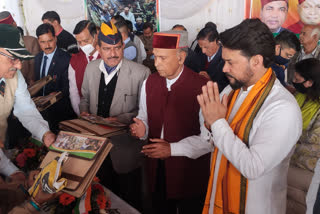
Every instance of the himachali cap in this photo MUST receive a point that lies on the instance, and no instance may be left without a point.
(11, 40)
(6, 18)
(109, 33)
(264, 2)
(301, 1)
(170, 39)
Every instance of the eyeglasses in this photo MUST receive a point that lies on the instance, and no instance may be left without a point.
(13, 60)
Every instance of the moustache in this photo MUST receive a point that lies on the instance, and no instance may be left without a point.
(48, 49)
(13, 69)
(228, 75)
(114, 57)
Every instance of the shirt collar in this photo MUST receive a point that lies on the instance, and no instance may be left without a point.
(211, 57)
(50, 55)
(57, 34)
(127, 40)
(172, 81)
(109, 69)
(104, 71)
(312, 53)
(95, 55)
(248, 89)
(278, 31)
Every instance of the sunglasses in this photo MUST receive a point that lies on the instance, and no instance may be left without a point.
(13, 60)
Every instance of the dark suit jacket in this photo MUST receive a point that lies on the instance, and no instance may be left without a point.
(193, 60)
(215, 69)
(58, 70)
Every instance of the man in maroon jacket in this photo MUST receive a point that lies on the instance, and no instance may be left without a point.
(168, 115)
(86, 34)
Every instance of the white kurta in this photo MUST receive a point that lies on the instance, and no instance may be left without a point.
(275, 130)
(191, 147)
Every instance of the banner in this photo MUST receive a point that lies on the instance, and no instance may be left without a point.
(138, 12)
(291, 14)
(70, 12)
(195, 14)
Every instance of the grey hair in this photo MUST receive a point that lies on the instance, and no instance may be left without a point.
(316, 31)
(184, 50)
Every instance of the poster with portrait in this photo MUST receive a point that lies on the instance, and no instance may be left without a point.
(137, 11)
(289, 14)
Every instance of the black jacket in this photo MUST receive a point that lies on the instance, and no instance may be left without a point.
(215, 69)
(58, 70)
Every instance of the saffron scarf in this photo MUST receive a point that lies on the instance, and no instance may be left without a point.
(230, 196)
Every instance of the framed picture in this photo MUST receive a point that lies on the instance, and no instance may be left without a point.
(140, 11)
(80, 145)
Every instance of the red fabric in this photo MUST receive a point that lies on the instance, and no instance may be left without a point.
(178, 112)
(206, 65)
(301, 1)
(264, 2)
(79, 63)
(296, 27)
(8, 20)
(57, 33)
(165, 42)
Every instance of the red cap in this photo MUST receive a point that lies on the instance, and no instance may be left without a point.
(264, 2)
(6, 18)
(170, 39)
(301, 1)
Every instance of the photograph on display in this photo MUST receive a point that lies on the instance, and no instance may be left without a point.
(138, 12)
(79, 145)
(287, 14)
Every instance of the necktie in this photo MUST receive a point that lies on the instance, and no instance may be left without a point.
(43, 72)
(2, 87)
(90, 58)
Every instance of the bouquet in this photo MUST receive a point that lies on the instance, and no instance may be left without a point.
(95, 201)
(29, 155)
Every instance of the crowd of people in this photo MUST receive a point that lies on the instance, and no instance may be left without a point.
(213, 127)
(138, 12)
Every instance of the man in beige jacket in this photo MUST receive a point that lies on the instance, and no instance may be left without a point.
(111, 88)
